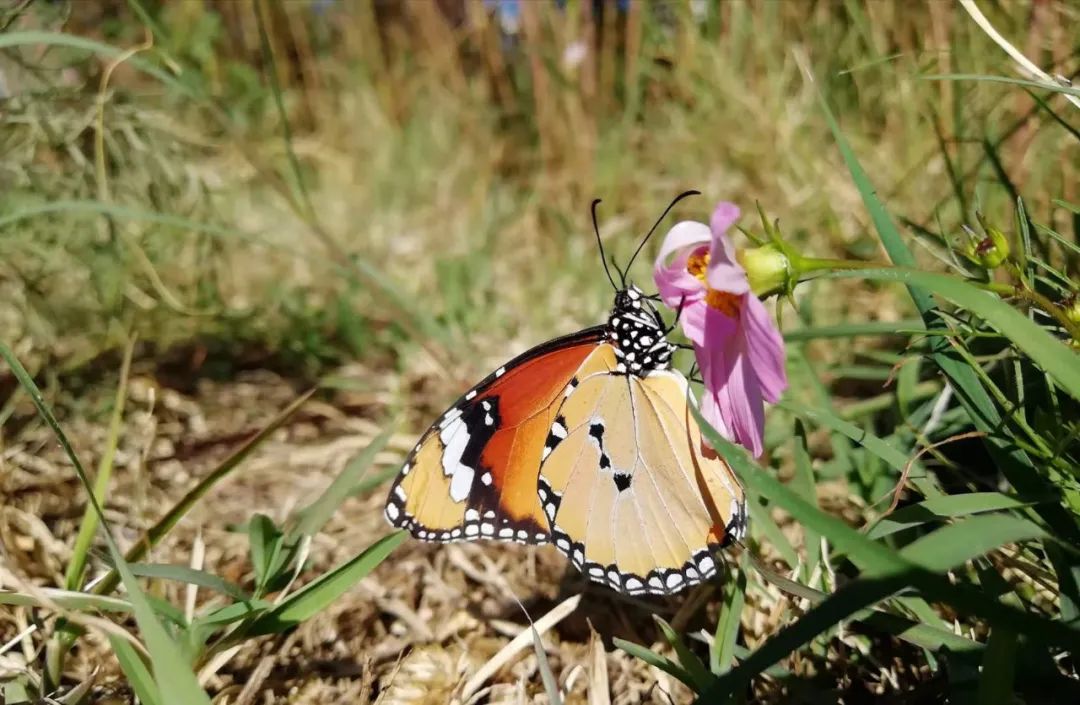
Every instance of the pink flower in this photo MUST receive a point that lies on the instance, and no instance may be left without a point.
(739, 349)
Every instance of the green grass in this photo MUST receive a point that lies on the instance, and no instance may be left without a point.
(351, 187)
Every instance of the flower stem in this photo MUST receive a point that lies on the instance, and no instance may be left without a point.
(812, 268)
(1035, 298)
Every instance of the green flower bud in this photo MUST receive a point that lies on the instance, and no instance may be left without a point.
(990, 251)
(768, 269)
(1071, 306)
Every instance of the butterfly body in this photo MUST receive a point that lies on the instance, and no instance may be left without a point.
(587, 442)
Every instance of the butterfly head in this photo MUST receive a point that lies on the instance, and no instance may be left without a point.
(637, 333)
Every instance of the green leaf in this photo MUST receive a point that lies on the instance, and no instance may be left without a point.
(654, 659)
(231, 613)
(955, 544)
(880, 448)
(852, 330)
(761, 521)
(73, 577)
(135, 671)
(551, 686)
(190, 576)
(804, 483)
(175, 513)
(689, 661)
(878, 560)
(311, 519)
(1052, 355)
(265, 540)
(998, 668)
(729, 621)
(944, 507)
(320, 593)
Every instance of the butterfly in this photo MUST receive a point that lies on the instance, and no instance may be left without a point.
(586, 442)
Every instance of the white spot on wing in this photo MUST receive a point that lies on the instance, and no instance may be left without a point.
(500, 372)
(392, 512)
(461, 483)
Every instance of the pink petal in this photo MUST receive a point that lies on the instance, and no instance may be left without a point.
(744, 406)
(672, 280)
(683, 235)
(692, 319)
(728, 375)
(765, 347)
(724, 273)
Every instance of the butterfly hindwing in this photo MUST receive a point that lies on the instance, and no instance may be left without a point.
(631, 496)
(474, 472)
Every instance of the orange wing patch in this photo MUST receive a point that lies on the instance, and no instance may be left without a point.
(474, 472)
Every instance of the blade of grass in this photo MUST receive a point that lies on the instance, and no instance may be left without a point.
(135, 671)
(1053, 87)
(761, 520)
(264, 543)
(654, 659)
(73, 578)
(170, 665)
(171, 518)
(803, 480)
(942, 508)
(722, 653)
(877, 559)
(1051, 354)
(689, 661)
(998, 668)
(551, 686)
(65, 599)
(893, 457)
(311, 519)
(35, 38)
(318, 594)
(190, 576)
(1013, 462)
(852, 330)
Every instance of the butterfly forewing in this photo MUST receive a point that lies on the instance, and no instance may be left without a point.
(474, 472)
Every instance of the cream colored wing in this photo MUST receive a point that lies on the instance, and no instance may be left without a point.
(631, 496)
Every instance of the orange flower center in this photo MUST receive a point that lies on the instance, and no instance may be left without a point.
(728, 304)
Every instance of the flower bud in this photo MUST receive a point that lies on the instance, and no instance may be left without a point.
(1071, 306)
(768, 269)
(989, 252)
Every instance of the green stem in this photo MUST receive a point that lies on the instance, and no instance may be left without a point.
(809, 268)
(1035, 298)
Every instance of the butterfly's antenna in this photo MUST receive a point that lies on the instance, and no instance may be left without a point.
(659, 220)
(600, 244)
